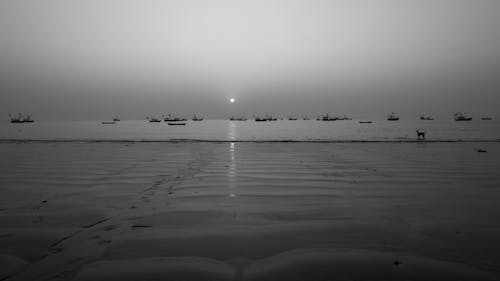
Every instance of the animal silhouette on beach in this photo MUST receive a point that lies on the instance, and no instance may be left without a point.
(421, 134)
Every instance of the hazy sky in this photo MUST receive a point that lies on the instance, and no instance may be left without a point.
(62, 59)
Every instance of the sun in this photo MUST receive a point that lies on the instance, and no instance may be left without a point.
(231, 100)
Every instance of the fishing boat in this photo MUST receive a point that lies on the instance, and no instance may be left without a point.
(305, 118)
(343, 118)
(154, 120)
(196, 118)
(108, 122)
(260, 119)
(28, 119)
(291, 118)
(20, 119)
(237, 118)
(327, 117)
(392, 117)
(459, 116)
(365, 122)
(171, 118)
(423, 117)
(176, 124)
(116, 119)
(486, 118)
(271, 118)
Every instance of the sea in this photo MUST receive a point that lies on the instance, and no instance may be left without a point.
(280, 130)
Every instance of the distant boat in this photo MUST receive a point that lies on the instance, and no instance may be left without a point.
(292, 118)
(271, 118)
(20, 119)
(196, 118)
(486, 118)
(240, 118)
(344, 118)
(116, 119)
(305, 118)
(176, 124)
(459, 116)
(365, 122)
(28, 119)
(327, 117)
(154, 120)
(392, 117)
(171, 118)
(423, 117)
(260, 119)
(108, 122)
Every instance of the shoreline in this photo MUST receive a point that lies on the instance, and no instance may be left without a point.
(244, 141)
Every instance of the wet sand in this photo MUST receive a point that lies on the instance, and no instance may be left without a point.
(249, 211)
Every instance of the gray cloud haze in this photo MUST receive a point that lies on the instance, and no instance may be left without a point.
(91, 59)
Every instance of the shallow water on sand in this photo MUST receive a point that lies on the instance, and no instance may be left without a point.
(249, 211)
(225, 130)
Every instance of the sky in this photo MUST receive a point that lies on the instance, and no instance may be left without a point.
(93, 59)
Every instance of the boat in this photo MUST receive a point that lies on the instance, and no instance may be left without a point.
(176, 124)
(154, 120)
(20, 119)
(116, 119)
(271, 118)
(291, 118)
(260, 119)
(344, 118)
(171, 118)
(365, 122)
(486, 118)
(392, 117)
(108, 122)
(423, 117)
(305, 118)
(196, 118)
(28, 119)
(459, 116)
(240, 118)
(327, 117)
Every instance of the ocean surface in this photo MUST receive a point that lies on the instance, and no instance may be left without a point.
(281, 130)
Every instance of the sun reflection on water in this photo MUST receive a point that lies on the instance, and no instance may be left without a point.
(232, 133)
(232, 171)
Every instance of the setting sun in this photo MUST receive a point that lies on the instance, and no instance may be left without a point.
(231, 100)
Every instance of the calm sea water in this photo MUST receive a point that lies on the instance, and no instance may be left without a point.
(300, 130)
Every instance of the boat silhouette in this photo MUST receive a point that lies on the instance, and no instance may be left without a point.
(459, 116)
(196, 118)
(21, 119)
(171, 118)
(392, 117)
(240, 118)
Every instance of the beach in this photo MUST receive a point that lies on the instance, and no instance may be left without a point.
(226, 210)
